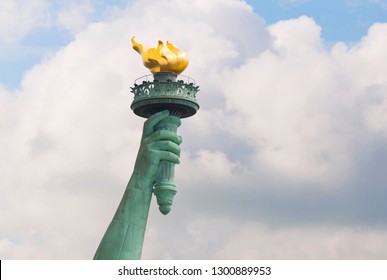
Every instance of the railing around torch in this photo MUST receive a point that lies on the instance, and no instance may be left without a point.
(149, 78)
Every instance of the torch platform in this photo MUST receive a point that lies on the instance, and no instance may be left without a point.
(165, 93)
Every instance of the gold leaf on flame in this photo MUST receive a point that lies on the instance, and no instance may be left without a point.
(164, 58)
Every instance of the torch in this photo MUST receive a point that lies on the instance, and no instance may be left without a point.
(166, 91)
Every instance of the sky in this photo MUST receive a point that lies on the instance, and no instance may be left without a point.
(285, 159)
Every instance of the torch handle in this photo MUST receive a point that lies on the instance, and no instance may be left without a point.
(165, 188)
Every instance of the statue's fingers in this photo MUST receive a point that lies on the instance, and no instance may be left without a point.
(153, 120)
(166, 146)
(161, 135)
(169, 156)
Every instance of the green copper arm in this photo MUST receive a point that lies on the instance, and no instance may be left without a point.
(124, 237)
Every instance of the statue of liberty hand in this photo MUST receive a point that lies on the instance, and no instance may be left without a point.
(156, 145)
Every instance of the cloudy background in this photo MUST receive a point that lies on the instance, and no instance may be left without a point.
(286, 158)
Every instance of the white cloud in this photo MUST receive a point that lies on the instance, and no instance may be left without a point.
(277, 109)
(376, 117)
(19, 17)
(259, 242)
(215, 237)
(301, 35)
(74, 15)
(298, 104)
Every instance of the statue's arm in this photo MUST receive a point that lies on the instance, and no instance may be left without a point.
(124, 237)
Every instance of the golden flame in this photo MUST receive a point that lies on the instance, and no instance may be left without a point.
(164, 58)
